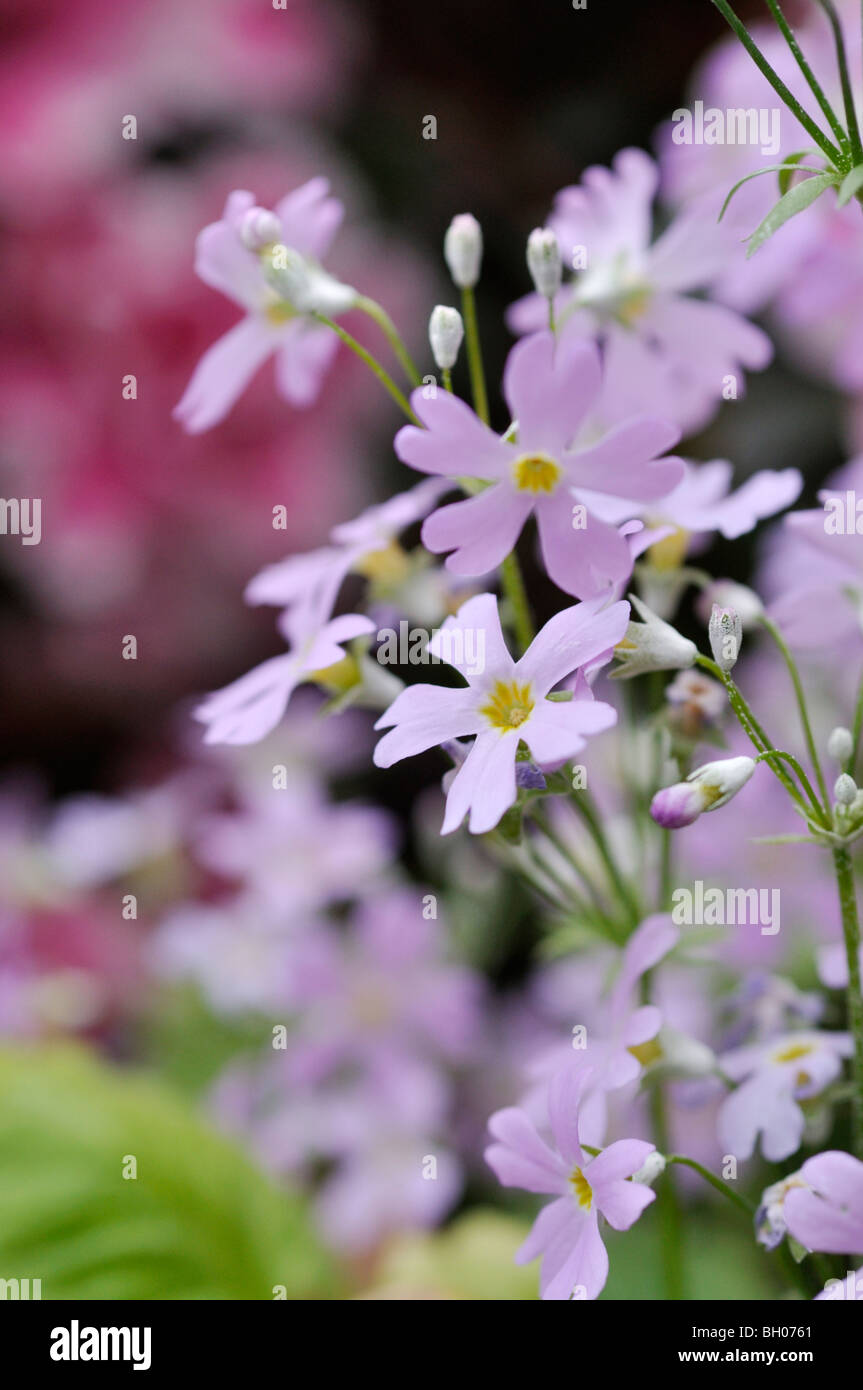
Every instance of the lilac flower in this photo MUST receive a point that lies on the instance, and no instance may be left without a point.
(664, 351)
(308, 218)
(827, 1214)
(566, 1232)
(249, 708)
(550, 392)
(383, 987)
(775, 1077)
(618, 1051)
(832, 963)
(502, 705)
(702, 502)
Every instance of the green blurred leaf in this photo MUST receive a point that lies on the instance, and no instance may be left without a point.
(198, 1222)
(471, 1259)
(797, 199)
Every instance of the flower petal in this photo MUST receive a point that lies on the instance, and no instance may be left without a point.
(223, 374)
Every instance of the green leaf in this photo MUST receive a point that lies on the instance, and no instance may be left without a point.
(768, 169)
(851, 184)
(199, 1221)
(795, 200)
(787, 170)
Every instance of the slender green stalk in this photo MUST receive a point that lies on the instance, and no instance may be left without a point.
(851, 933)
(372, 363)
(569, 856)
(725, 1188)
(814, 85)
(380, 316)
(845, 80)
(447, 379)
(668, 1209)
(513, 587)
(474, 354)
(583, 803)
(835, 155)
(771, 627)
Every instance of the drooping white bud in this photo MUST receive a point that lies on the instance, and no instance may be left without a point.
(651, 645)
(728, 594)
(544, 261)
(446, 331)
(304, 284)
(260, 228)
(725, 631)
(840, 744)
(706, 789)
(462, 249)
(845, 790)
(652, 1168)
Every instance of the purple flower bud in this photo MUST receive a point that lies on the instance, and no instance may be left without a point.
(676, 806)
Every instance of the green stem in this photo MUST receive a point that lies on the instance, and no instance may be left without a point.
(474, 354)
(447, 379)
(583, 803)
(775, 633)
(372, 363)
(668, 1209)
(727, 1191)
(845, 80)
(513, 587)
(833, 154)
(577, 867)
(851, 933)
(814, 85)
(380, 316)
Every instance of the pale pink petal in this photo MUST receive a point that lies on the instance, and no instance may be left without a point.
(223, 374)
(585, 562)
(517, 1134)
(481, 531)
(565, 1091)
(424, 716)
(304, 357)
(459, 637)
(326, 648)
(484, 784)
(249, 708)
(224, 263)
(557, 730)
(624, 462)
(455, 443)
(584, 1269)
(310, 218)
(549, 1225)
(549, 389)
(570, 639)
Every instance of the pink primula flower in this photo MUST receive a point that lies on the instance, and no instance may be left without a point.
(551, 390)
(664, 350)
(503, 703)
(303, 349)
(828, 1213)
(566, 1232)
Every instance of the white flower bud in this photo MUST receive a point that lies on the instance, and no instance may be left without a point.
(728, 594)
(706, 789)
(304, 284)
(260, 228)
(544, 261)
(651, 645)
(462, 249)
(725, 631)
(446, 331)
(845, 790)
(652, 1168)
(840, 745)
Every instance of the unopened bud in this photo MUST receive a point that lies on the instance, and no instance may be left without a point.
(706, 789)
(462, 249)
(840, 745)
(725, 631)
(652, 1168)
(544, 261)
(446, 331)
(845, 790)
(260, 228)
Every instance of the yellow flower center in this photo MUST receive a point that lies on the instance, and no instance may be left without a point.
(388, 566)
(581, 1189)
(536, 473)
(793, 1052)
(646, 1052)
(670, 552)
(280, 312)
(631, 305)
(339, 678)
(508, 706)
